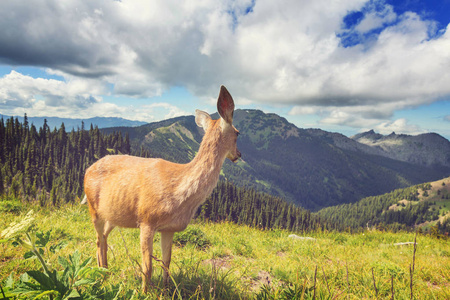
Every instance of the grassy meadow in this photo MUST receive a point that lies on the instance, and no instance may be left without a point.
(229, 261)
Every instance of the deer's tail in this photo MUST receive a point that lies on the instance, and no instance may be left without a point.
(84, 201)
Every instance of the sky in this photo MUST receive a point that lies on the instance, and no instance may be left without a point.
(344, 66)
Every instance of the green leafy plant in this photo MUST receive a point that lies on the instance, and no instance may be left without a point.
(36, 284)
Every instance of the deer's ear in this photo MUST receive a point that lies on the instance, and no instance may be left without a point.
(202, 119)
(225, 105)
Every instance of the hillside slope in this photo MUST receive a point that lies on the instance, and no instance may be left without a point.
(311, 168)
(421, 205)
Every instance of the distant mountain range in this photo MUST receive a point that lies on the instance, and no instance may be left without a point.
(310, 167)
(427, 149)
(69, 124)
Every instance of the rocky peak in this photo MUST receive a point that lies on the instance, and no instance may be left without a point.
(428, 149)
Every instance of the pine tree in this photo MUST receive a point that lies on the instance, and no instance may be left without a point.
(1, 182)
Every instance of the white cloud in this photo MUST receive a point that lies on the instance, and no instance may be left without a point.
(18, 90)
(357, 116)
(376, 18)
(21, 94)
(168, 110)
(400, 125)
(287, 52)
(305, 110)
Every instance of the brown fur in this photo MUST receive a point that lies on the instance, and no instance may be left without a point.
(155, 194)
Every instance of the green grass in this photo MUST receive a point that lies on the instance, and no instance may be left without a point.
(228, 261)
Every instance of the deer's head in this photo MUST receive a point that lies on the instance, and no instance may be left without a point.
(229, 134)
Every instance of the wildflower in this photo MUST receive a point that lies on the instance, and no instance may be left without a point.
(17, 228)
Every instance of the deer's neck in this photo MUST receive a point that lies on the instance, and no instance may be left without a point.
(209, 159)
(202, 173)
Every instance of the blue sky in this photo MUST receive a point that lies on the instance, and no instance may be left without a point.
(344, 67)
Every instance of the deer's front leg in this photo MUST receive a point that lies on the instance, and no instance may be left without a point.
(102, 246)
(147, 234)
(166, 248)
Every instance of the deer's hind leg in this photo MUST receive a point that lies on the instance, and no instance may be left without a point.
(166, 248)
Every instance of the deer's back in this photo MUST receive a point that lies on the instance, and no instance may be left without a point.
(125, 189)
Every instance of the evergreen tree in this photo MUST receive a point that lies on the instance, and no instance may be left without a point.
(1, 183)
(36, 161)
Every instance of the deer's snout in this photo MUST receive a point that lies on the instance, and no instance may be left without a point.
(238, 155)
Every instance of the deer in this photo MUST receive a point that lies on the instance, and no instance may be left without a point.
(156, 195)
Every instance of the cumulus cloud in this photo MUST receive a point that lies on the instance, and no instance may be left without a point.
(287, 52)
(400, 125)
(165, 110)
(21, 94)
(357, 116)
(18, 90)
(376, 18)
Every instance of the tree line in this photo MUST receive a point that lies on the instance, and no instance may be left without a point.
(250, 207)
(387, 212)
(48, 166)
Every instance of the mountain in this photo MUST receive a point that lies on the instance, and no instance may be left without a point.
(427, 149)
(421, 205)
(309, 167)
(69, 123)
(176, 139)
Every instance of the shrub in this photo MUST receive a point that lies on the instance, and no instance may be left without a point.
(10, 206)
(192, 235)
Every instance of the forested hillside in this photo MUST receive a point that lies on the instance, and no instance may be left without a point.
(425, 206)
(247, 206)
(176, 139)
(48, 167)
(311, 168)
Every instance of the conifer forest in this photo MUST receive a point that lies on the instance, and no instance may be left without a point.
(47, 165)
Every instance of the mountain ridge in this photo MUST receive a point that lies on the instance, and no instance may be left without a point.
(310, 167)
(74, 123)
(427, 149)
